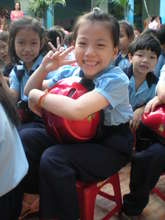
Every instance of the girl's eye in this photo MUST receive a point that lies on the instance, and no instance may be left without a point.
(139, 55)
(20, 42)
(82, 43)
(34, 43)
(153, 57)
(100, 45)
(2, 47)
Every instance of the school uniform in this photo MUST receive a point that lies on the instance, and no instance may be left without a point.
(159, 65)
(144, 93)
(149, 160)
(14, 167)
(17, 81)
(62, 164)
(122, 61)
(162, 74)
(19, 76)
(7, 69)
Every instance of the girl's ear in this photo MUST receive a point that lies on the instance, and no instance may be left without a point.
(115, 52)
(43, 41)
(130, 57)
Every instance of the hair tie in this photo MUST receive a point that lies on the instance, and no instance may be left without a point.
(41, 98)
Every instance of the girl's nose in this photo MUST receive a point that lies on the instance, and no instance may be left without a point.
(145, 59)
(27, 48)
(90, 50)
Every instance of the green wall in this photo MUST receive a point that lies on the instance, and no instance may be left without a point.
(8, 4)
(65, 16)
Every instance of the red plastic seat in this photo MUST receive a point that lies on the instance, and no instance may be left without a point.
(87, 195)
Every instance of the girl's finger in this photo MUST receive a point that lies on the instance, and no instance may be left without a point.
(66, 52)
(68, 62)
(58, 43)
(52, 46)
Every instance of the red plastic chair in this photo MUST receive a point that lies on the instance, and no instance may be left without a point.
(87, 195)
(158, 192)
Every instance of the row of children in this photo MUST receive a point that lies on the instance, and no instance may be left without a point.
(55, 167)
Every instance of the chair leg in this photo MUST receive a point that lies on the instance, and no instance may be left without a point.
(87, 197)
(117, 191)
(89, 204)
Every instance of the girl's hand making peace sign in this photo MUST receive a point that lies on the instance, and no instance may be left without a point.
(56, 58)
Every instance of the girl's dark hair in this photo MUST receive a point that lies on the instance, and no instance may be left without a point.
(4, 36)
(25, 23)
(68, 40)
(128, 29)
(97, 15)
(145, 41)
(8, 105)
(53, 33)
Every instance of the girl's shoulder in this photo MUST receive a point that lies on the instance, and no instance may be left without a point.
(112, 78)
(114, 73)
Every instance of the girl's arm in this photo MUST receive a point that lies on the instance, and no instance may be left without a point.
(52, 61)
(160, 93)
(137, 115)
(63, 106)
(152, 104)
(161, 85)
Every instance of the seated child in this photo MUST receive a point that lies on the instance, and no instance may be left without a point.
(96, 37)
(143, 55)
(26, 42)
(160, 34)
(148, 161)
(4, 57)
(126, 37)
(13, 162)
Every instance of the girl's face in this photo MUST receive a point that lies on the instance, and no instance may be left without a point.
(94, 48)
(143, 62)
(4, 52)
(124, 40)
(27, 46)
(17, 7)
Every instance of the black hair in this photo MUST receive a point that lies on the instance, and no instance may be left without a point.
(4, 36)
(8, 105)
(128, 29)
(68, 40)
(97, 15)
(53, 33)
(23, 23)
(160, 33)
(145, 41)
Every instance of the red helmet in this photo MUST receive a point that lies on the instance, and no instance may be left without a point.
(155, 120)
(70, 130)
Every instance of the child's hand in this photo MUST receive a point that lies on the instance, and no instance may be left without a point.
(33, 99)
(54, 59)
(137, 115)
(152, 104)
